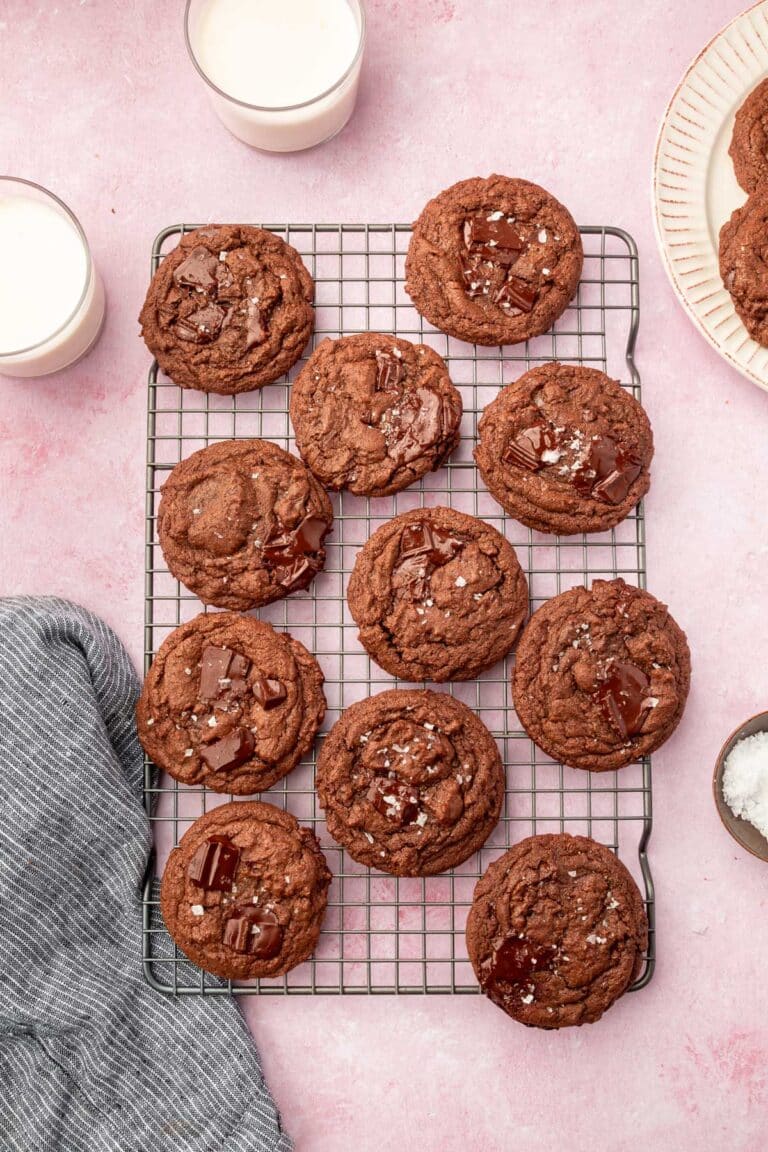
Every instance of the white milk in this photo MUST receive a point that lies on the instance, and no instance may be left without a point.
(274, 54)
(51, 301)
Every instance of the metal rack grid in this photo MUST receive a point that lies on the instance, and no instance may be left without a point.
(384, 934)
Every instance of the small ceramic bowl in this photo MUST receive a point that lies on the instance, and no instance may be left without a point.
(742, 831)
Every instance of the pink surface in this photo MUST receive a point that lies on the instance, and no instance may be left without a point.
(100, 103)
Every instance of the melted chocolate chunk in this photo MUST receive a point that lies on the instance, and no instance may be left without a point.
(255, 331)
(290, 554)
(395, 800)
(607, 472)
(516, 960)
(198, 270)
(623, 695)
(495, 240)
(516, 293)
(214, 865)
(389, 371)
(418, 425)
(202, 326)
(253, 932)
(230, 751)
(423, 548)
(222, 675)
(527, 449)
(269, 693)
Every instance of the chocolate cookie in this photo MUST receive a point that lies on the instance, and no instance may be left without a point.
(493, 261)
(230, 704)
(245, 892)
(601, 676)
(242, 523)
(557, 931)
(411, 782)
(565, 449)
(373, 413)
(229, 310)
(743, 266)
(749, 144)
(437, 595)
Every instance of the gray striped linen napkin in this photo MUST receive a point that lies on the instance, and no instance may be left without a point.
(90, 1057)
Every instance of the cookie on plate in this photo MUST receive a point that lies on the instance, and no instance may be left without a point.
(742, 263)
(373, 413)
(230, 704)
(749, 143)
(245, 892)
(565, 449)
(242, 523)
(411, 782)
(229, 309)
(601, 676)
(437, 595)
(493, 261)
(557, 931)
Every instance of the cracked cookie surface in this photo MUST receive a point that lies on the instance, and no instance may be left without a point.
(437, 595)
(411, 782)
(557, 931)
(749, 144)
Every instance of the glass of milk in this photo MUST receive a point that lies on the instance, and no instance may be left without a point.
(51, 296)
(282, 74)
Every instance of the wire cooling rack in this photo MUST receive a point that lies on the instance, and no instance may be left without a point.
(383, 934)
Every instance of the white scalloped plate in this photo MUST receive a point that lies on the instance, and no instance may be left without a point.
(694, 187)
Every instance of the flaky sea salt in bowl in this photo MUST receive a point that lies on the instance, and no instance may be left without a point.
(740, 785)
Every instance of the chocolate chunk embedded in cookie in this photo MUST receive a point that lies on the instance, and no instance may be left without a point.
(743, 264)
(601, 676)
(229, 310)
(373, 413)
(565, 449)
(230, 704)
(749, 144)
(493, 261)
(557, 931)
(411, 782)
(245, 892)
(242, 523)
(437, 595)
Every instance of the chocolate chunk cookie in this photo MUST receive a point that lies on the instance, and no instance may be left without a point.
(493, 261)
(557, 931)
(601, 676)
(411, 782)
(229, 310)
(437, 595)
(245, 892)
(242, 523)
(373, 413)
(749, 144)
(565, 449)
(743, 264)
(230, 704)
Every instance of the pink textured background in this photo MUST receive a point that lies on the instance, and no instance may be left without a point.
(99, 102)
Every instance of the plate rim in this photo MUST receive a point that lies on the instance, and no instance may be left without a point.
(742, 369)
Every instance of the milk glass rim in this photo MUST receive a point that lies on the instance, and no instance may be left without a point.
(47, 194)
(277, 108)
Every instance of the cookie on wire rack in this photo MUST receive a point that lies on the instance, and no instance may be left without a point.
(244, 893)
(493, 261)
(557, 931)
(229, 309)
(242, 523)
